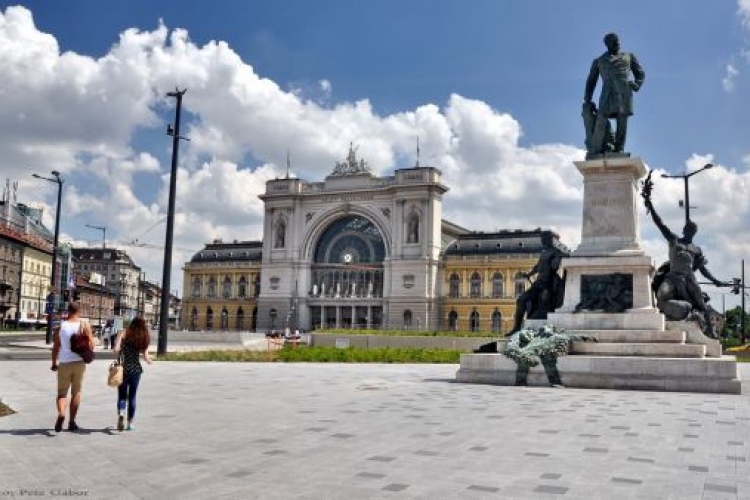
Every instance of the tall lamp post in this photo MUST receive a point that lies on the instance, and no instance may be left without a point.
(161, 348)
(101, 285)
(687, 191)
(55, 178)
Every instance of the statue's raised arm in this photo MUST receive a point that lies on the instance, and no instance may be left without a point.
(648, 186)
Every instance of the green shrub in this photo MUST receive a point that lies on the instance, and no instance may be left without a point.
(305, 354)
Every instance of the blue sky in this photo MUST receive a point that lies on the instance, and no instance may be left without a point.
(493, 89)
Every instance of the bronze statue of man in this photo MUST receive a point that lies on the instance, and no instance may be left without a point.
(616, 98)
(546, 292)
(677, 290)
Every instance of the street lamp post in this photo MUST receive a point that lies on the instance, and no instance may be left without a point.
(685, 177)
(101, 285)
(55, 178)
(166, 273)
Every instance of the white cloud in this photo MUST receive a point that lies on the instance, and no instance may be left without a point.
(728, 82)
(82, 113)
(743, 10)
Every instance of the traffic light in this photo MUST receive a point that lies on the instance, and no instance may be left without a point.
(76, 295)
(736, 285)
(66, 295)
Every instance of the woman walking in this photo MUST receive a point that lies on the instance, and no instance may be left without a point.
(130, 344)
(69, 366)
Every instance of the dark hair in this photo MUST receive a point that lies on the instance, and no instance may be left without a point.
(137, 334)
(74, 308)
(610, 36)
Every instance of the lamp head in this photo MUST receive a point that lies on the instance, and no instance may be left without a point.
(56, 173)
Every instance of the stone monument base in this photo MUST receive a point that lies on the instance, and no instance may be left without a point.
(707, 375)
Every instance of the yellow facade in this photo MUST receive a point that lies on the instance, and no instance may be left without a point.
(220, 295)
(497, 281)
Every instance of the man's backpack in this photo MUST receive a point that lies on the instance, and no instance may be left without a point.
(79, 344)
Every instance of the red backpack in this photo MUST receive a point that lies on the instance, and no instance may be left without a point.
(79, 344)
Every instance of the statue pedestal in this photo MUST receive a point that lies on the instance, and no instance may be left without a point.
(610, 243)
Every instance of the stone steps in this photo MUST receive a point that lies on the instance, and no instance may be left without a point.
(708, 375)
(635, 336)
(639, 349)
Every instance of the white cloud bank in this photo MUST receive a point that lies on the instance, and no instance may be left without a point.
(81, 114)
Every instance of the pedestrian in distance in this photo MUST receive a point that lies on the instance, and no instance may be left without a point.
(130, 345)
(69, 366)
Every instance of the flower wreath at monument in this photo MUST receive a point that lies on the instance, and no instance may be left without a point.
(530, 346)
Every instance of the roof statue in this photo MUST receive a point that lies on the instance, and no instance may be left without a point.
(351, 166)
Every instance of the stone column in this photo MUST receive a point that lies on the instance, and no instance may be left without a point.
(338, 316)
(369, 317)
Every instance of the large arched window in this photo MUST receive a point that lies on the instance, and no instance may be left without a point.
(242, 287)
(209, 318)
(476, 286)
(474, 320)
(256, 285)
(520, 283)
(224, 319)
(226, 287)
(348, 259)
(455, 282)
(212, 287)
(240, 319)
(453, 321)
(349, 240)
(497, 286)
(497, 321)
(407, 319)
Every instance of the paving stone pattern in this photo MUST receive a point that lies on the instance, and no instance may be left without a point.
(328, 431)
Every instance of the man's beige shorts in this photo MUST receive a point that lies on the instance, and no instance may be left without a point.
(70, 375)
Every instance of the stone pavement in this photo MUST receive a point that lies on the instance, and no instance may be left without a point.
(333, 431)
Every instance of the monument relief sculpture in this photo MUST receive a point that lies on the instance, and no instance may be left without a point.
(615, 68)
(678, 294)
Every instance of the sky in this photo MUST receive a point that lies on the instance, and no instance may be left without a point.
(492, 89)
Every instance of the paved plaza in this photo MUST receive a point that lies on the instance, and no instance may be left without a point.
(319, 431)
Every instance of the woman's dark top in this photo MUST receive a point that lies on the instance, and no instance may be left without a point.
(131, 363)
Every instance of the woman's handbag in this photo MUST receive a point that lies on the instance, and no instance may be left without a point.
(114, 375)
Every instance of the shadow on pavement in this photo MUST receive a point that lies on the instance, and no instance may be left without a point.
(52, 433)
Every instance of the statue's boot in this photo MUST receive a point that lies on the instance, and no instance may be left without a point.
(553, 375)
(522, 374)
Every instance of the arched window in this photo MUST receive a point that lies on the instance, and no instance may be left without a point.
(454, 285)
(226, 287)
(476, 286)
(256, 285)
(520, 285)
(194, 319)
(242, 288)
(240, 319)
(497, 286)
(209, 318)
(453, 321)
(224, 319)
(474, 320)
(407, 319)
(196, 287)
(211, 287)
(280, 234)
(497, 321)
